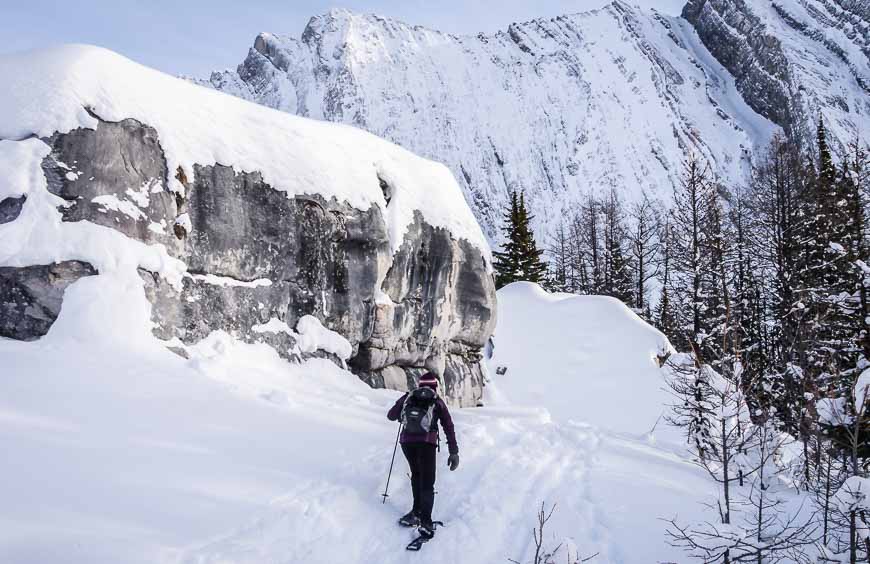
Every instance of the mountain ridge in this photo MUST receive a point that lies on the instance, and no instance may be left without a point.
(609, 98)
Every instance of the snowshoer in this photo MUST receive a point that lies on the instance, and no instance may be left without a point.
(420, 411)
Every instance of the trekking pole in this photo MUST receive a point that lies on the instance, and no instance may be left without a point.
(392, 460)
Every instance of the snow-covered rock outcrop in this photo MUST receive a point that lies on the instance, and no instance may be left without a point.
(234, 217)
(608, 98)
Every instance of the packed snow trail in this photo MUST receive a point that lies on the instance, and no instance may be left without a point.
(483, 504)
(117, 450)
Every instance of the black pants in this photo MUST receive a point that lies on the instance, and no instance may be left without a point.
(421, 459)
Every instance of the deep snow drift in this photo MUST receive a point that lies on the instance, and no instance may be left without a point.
(586, 358)
(116, 450)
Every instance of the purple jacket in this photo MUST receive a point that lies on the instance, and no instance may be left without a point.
(441, 414)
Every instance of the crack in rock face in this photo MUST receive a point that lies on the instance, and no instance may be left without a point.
(257, 259)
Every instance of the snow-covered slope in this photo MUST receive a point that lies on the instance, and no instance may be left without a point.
(116, 450)
(609, 98)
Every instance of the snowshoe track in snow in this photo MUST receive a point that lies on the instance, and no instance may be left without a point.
(490, 503)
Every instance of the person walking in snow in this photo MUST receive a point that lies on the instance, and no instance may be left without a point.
(420, 411)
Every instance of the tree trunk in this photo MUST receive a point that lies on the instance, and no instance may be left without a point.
(806, 462)
(827, 505)
(853, 540)
(726, 485)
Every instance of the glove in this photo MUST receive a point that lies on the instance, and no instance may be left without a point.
(453, 461)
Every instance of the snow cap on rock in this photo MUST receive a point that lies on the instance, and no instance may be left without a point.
(67, 87)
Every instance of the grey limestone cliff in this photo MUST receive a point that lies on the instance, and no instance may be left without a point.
(254, 254)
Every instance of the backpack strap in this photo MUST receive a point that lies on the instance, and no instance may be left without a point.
(436, 415)
(404, 405)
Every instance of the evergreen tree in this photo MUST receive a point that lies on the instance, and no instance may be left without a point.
(749, 331)
(520, 258)
(717, 315)
(690, 264)
(507, 262)
(828, 277)
(663, 316)
(858, 164)
(775, 242)
(620, 286)
(617, 269)
(532, 268)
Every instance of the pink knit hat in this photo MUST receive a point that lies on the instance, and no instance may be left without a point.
(429, 380)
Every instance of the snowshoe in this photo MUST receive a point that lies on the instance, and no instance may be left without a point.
(416, 544)
(426, 530)
(425, 533)
(409, 520)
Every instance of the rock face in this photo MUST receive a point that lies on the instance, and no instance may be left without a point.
(739, 40)
(255, 256)
(10, 208)
(793, 61)
(556, 107)
(408, 320)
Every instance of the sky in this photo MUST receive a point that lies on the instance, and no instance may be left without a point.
(194, 37)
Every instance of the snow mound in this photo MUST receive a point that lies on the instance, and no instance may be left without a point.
(314, 336)
(68, 87)
(117, 450)
(311, 336)
(584, 358)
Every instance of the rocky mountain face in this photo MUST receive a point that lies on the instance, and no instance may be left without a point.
(612, 98)
(794, 60)
(253, 261)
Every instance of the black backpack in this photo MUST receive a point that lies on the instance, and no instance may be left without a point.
(418, 413)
